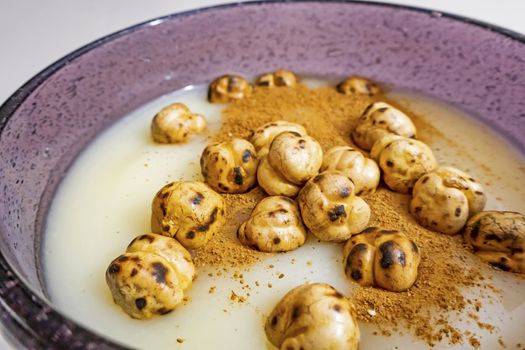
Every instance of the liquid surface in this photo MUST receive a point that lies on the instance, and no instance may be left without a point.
(104, 202)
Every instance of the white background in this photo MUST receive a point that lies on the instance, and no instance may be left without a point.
(35, 33)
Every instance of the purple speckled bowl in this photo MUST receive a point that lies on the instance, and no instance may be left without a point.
(48, 121)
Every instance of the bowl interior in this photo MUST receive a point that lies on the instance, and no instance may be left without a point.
(50, 120)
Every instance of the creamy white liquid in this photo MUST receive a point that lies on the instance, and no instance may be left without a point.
(104, 202)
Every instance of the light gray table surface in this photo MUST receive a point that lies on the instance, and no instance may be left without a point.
(35, 33)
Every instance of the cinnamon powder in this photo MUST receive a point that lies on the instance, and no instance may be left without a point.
(446, 267)
(327, 116)
(225, 250)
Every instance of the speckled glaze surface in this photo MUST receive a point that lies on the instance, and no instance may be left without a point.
(49, 120)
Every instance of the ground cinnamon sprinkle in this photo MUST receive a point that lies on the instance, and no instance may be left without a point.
(446, 266)
(323, 112)
(327, 115)
(225, 250)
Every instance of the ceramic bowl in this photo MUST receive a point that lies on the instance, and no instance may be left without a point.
(49, 120)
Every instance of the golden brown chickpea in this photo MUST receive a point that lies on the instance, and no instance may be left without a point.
(278, 78)
(228, 88)
(313, 317)
(274, 226)
(330, 208)
(380, 119)
(498, 237)
(262, 137)
(151, 277)
(292, 160)
(231, 166)
(444, 199)
(188, 211)
(384, 258)
(363, 171)
(358, 85)
(403, 161)
(175, 124)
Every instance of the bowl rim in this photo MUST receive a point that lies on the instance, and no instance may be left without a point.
(15, 100)
(10, 278)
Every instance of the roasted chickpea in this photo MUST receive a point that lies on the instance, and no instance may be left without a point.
(358, 85)
(363, 171)
(498, 237)
(175, 123)
(151, 277)
(330, 208)
(188, 211)
(278, 78)
(444, 199)
(262, 137)
(380, 119)
(313, 317)
(228, 88)
(292, 160)
(231, 166)
(383, 258)
(403, 161)
(274, 226)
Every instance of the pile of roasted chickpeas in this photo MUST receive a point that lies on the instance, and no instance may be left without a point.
(308, 191)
